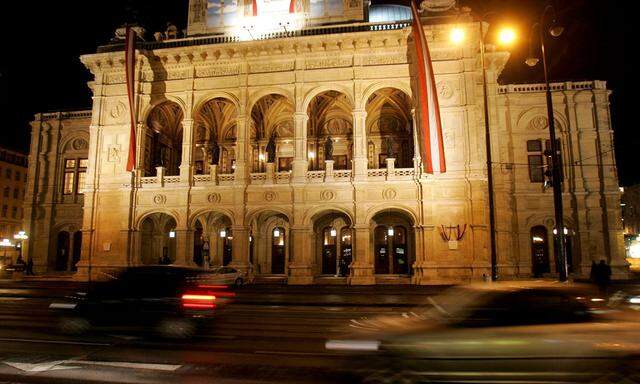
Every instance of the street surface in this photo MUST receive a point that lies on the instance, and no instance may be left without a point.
(271, 334)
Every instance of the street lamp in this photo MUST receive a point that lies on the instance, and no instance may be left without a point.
(506, 36)
(5, 243)
(554, 30)
(20, 237)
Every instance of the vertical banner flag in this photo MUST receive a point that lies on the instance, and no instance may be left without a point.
(130, 71)
(292, 6)
(255, 7)
(429, 117)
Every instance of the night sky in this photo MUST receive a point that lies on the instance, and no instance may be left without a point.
(40, 69)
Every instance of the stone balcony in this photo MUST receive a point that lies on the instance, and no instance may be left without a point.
(271, 177)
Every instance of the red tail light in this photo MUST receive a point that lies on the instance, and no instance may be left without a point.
(198, 301)
(218, 290)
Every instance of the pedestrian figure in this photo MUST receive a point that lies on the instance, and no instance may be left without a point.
(29, 270)
(603, 276)
(592, 274)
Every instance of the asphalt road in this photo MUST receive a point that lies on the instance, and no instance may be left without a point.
(270, 335)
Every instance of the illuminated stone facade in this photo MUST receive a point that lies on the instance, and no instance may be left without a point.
(234, 142)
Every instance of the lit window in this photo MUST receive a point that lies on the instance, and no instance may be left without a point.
(81, 178)
(70, 163)
(69, 178)
(536, 161)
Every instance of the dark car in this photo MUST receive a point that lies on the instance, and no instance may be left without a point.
(497, 332)
(172, 301)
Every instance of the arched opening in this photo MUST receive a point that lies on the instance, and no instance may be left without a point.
(215, 136)
(330, 131)
(212, 240)
(158, 239)
(63, 247)
(393, 239)
(333, 243)
(270, 242)
(389, 129)
(539, 251)
(163, 139)
(272, 133)
(77, 248)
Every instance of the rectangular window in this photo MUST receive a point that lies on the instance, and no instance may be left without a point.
(4, 210)
(547, 145)
(14, 212)
(84, 163)
(535, 161)
(536, 169)
(81, 179)
(70, 163)
(16, 193)
(8, 173)
(69, 178)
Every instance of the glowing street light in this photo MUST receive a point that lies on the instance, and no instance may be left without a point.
(507, 36)
(457, 35)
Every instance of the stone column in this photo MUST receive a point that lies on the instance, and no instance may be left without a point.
(240, 247)
(328, 170)
(300, 268)
(186, 166)
(391, 168)
(359, 145)
(300, 162)
(184, 247)
(270, 170)
(362, 268)
(241, 149)
(213, 170)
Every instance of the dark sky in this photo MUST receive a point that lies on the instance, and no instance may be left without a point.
(40, 69)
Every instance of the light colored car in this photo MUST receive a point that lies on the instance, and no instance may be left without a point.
(226, 275)
(495, 333)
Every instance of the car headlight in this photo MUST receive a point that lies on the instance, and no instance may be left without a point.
(352, 345)
(634, 300)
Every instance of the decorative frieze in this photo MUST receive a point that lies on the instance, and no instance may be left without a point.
(335, 62)
(218, 71)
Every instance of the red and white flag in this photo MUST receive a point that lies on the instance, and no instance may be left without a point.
(130, 72)
(292, 6)
(254, 7)
(431, 143)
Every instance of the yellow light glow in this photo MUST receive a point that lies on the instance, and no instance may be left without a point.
(457, 35)
(507, 36)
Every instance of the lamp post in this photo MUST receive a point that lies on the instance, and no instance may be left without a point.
(20, 237)
(554, 30)
(506, 36)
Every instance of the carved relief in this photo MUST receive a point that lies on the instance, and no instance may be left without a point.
(384, 60)
(539, 123)
(389, 194)
(445, 90)
(217, 71)
(159, 199)
(80, 144)
(270, 196)
(271, 67)
(113, 153)
(214, 198)
(118, 110)
(336, 62)
(327, 195)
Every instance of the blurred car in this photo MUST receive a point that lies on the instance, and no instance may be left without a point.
(173, 301)
(497, 333)
(227, 275)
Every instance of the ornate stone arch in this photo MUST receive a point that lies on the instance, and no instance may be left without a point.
(401, 86)
(205, 98)
(535, 118)
(318, 211)
(76, 141)
(199, 212)
(373, 211)
(158, 100)
(254, 213)
(311, 94)
(262, 92)
(169, 212)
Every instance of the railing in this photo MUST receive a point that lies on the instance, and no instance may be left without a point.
(404, 172)
(283, 177)
(201, 178)
(258, 178)
(377, 173)
(539, 87)
(226, 178)
(310, 31)
(342, 175)
(149, 180)
(315, 176)
(66, 115)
